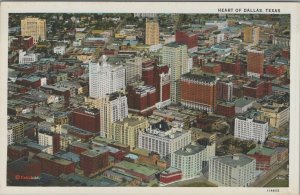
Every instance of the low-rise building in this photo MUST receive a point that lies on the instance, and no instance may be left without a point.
(265, 157)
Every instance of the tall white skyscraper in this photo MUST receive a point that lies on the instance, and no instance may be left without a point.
(176, 57)
(105, 79)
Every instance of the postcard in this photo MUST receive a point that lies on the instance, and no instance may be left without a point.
(150, 97)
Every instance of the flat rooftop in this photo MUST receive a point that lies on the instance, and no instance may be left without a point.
(136, 168)
(228, 160)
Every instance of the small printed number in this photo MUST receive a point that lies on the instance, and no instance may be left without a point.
(272, 190)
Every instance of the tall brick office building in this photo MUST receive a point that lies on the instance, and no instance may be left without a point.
(199, 91)
(255, 62)
(86, 119)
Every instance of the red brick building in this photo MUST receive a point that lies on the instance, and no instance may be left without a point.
(170, 175)
(212, 68)
(257, 89)
(265, 157)
(148, 71)
(86, 119)
(255, 62)
(93, 161)
(53, 165)
(23, 168)
(231, 66)
(188, 38)
(78, 147)
(198, 91)
(224, 90)
(21, 43)
(15, 152)
(275, 70)
(141, 99)
(286, 53)
(226, 109)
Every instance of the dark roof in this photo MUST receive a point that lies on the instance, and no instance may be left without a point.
(162, 125)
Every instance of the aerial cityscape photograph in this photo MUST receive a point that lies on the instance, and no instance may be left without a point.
(148, 100)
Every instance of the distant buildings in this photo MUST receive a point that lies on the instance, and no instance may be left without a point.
(255, 62)
(163, 139)
(250, 129)
(25, 58)
(34, 27)
(251, 34)
(105, 79)
(15, 132)
(188, 38)
(126, 130)
(152, 32)
(199, 91)
(232, 171)
(59, 50)
(175, 56)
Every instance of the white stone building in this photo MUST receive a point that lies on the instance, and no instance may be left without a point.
(190, 159)
(250, 129)
(163, 139)
(232, 170)
(27, 58)
(105, 79)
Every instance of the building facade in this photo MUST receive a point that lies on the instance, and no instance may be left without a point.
(190, 159)
(34, 27)
(199, 91)
(232, 171)
(175, 56)
(224, 90)
(126, 130)
(105, 79)
(250, 129)
(255, 62)
(163, 139)
(152, 32)
(27, 58)
(112, 108)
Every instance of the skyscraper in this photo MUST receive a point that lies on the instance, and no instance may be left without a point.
(175, 56)
(255, 62)
(251, 35)
(34, 27)
(105, 79)
(113, 107)
(152, 32)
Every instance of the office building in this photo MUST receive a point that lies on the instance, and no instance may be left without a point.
(236, 170)
(224, 90)
(251, 34)
(49, 138)
(175, 56)
(199, 91)
(190, 159)
(152, 32)
(25, 58)
(250, 129)
(34, 27)
(112, 108)
(188, 38)
(255, 62)
(275, 115)
(86, 119)
(164, 139)
(126, 130)
(265, 157)
(105, 79)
